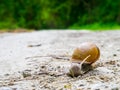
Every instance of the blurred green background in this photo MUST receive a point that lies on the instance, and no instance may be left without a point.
(60, 14)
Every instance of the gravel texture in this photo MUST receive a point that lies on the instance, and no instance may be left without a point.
(40, 60)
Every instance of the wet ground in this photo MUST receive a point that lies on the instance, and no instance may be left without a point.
(39, 60)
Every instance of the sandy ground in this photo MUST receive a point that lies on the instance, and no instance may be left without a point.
(38, 60)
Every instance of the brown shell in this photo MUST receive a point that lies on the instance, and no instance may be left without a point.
(84, 50)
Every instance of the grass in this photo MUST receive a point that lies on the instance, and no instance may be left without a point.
(12, 27)
(9, 27)
(97, 26)
(6, 25)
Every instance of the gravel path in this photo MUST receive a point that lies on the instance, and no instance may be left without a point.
(38, 60)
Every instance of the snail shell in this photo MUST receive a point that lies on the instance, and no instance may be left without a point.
(85, 50)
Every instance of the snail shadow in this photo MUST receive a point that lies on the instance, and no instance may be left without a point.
(98, 74)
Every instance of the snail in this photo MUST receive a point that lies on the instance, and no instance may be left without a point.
(83, 58)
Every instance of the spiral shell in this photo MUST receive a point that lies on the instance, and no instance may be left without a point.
(84, 50)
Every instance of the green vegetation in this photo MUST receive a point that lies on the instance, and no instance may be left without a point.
(63, 14)
(97, 26)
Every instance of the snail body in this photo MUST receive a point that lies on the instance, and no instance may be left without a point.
(82, 58)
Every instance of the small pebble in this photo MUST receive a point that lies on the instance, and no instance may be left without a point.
(115, 88)
(26, 74)
(114, 54)
(7, 74)
(42, 66)
(97, 89)
(111, 62)
(81, 85)
(58, 67)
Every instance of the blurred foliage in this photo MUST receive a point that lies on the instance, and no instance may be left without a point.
(52, 14)
(97, 26)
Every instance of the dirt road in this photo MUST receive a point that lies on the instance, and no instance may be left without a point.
(38, 60)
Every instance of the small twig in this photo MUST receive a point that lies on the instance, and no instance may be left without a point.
(34, 45)
(53, 56)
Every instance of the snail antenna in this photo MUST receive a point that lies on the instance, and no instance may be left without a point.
(84, 61)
